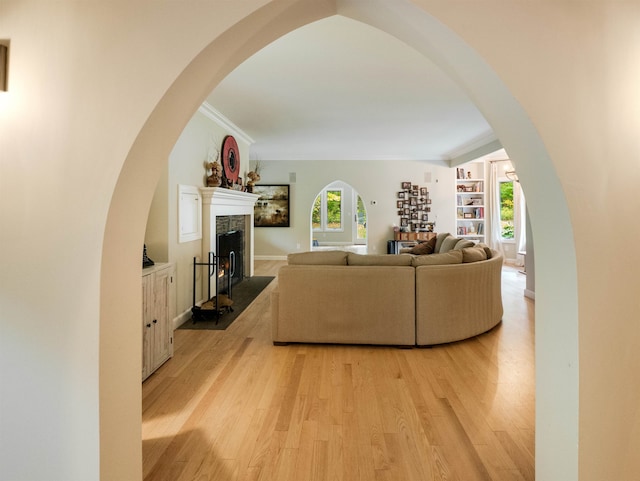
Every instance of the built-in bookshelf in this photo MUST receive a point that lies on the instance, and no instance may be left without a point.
(470, 201)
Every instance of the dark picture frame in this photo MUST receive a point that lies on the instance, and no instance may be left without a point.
(272, 207)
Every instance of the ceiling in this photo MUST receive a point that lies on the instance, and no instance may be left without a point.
(338, 89)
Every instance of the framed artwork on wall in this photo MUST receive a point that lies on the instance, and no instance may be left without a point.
(415, 203)
(272, 207)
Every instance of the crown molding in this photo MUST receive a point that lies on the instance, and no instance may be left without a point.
(477, 147)
(210, 112)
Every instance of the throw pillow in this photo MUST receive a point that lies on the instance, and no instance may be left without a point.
(464, 243)
(473, 254)
(451, 257)
(424, 248)
(321, 258)
(377, 260)
(486, 248)
(439, 239)
(448, 244)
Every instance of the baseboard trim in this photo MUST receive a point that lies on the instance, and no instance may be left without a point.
(530, 294)
(180, 319)
(270, 258)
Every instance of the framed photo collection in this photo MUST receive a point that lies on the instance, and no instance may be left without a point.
(414, 206)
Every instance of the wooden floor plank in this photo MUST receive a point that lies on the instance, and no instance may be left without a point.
(231, 406)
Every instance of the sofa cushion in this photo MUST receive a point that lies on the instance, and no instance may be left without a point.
(439, 239)
(462, 243)
(451, 257)
(473, 254)
(423, 248)
(354, 259)
(448, 244)
(321, 258)
(486, 248)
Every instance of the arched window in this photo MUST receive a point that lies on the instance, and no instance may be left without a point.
(327, 213)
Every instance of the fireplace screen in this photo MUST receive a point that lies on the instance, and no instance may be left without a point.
(231, 247)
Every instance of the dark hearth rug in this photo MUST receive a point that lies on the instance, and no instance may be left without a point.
(242, 295)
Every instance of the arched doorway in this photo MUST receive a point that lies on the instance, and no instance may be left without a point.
(338, 219)
(557, 359)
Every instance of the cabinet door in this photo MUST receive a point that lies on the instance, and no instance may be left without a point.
(147, 324)
(162, 330)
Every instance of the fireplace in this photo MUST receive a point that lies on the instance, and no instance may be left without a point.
(224, 211)
(231, 251)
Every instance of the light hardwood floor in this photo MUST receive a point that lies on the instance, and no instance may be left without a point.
(231, 406)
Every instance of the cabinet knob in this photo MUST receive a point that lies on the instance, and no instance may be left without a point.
(155, 321)
(148, 325)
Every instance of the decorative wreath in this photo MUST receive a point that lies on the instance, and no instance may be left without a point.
(230, 160)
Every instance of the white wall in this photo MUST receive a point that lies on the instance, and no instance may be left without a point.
(377, 181)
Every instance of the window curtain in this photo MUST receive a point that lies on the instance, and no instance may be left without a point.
(519, 221)
(494, 233)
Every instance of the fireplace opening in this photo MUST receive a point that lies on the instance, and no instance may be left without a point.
(230, 246)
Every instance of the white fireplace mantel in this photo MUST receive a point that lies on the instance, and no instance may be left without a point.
(216, 202)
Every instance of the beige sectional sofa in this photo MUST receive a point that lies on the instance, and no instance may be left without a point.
(403, 300)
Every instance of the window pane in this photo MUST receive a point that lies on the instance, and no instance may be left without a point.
(316, 213)
(362, 220)
(506, 209)
(334, 209)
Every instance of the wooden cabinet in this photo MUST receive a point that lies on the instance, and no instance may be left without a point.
(157, 328)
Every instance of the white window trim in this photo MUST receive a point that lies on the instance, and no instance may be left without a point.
(323, 211)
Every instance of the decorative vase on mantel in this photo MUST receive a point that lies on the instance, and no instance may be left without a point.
(253, 178)
(215, 178)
